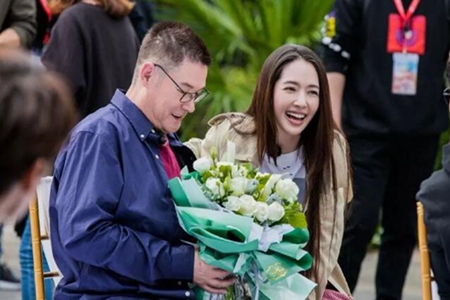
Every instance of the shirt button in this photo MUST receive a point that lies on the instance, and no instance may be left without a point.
(142, 136)
(153, 131)
(179, 283)
(156, 156)
(187, 294)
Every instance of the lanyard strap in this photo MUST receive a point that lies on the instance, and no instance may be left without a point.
(401, 11)
(46, 9)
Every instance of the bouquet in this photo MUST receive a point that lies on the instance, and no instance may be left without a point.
(248, 223)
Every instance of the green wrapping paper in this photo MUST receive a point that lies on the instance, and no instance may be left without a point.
(231, 242)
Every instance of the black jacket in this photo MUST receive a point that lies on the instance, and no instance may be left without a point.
(355, 44)
(435, 194)
(94, 52)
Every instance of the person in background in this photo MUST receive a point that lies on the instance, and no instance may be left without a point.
(289, 129)
(17, 29)
(36, 114)
(17, 23)
(142, 17)
(435, 196)
(94, 46)
(385, 66)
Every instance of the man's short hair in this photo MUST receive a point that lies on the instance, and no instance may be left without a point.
(36, 114)
(169, 43)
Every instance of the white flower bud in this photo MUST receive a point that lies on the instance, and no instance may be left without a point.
(233, 203)
(248, 205)
(287, 189)
(215, 186)
(262, 211)
(202, 165)
(238, 186)
(276, 212)
(274, 178)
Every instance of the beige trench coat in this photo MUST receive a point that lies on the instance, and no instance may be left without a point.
(245, 148)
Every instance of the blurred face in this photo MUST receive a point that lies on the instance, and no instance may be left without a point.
(14, 202)
(164, 109)
(296, 100)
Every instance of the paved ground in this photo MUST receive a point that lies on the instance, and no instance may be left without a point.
(364, 291)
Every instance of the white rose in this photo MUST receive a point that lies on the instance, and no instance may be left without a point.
(202, 165)
(287, 189)
(248, 205)
(233, 203)
(215, 186)
(276, 212)
(238, 186)
(262, 211)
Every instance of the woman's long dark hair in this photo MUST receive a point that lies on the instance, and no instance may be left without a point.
(317, 138)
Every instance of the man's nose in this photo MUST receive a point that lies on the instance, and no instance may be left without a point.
(189, 106)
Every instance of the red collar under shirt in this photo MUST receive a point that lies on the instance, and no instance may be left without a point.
(169, 161)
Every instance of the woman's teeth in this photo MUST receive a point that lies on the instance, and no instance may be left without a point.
(296, 115)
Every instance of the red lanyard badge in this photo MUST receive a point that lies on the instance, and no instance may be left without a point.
(406, 31)
(411, 10)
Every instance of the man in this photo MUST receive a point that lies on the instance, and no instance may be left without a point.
(385, 66)
(435, 196)
(114, 228)
(36, 114)
(17, 23)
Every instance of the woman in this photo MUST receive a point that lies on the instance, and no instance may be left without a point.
(288, 128)
(94, 45)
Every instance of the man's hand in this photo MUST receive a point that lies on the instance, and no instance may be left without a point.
(209, 278)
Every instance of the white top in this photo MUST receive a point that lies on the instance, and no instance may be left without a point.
(292, 165)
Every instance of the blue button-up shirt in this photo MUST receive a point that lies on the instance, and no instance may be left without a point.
(114, 229)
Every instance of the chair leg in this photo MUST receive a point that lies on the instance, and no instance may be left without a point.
(37, 250)
(424, 254)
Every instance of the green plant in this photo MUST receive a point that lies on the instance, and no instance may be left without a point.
(240, 34)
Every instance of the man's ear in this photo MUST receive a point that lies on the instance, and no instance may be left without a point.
(146, 72)
(31, 177)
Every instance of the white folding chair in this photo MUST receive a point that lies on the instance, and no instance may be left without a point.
(40, 229)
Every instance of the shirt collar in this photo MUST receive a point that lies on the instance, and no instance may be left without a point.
(142, 126)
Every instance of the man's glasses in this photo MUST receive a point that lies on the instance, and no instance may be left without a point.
(447, 95)
(187, 97)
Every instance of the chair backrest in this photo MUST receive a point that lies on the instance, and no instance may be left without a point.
(40, 229)
(424, 255)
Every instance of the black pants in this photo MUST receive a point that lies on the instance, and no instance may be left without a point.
(387, 172)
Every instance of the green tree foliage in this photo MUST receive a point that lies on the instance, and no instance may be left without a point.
(240, 34)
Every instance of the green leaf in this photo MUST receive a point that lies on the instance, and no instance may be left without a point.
(294, 216)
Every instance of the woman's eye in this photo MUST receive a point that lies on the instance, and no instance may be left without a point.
(313, 93)
(289, 89)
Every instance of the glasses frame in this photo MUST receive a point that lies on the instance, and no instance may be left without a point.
(446, 95)
(196, 97)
